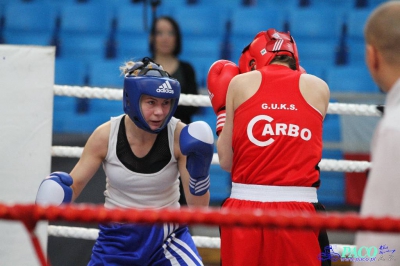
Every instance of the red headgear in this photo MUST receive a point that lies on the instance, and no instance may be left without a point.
(264, 47)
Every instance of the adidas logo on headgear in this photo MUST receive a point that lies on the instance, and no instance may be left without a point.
(165, 88)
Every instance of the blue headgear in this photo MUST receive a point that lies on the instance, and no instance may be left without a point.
(148, 78)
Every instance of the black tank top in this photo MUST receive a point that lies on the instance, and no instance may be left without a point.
(158, 156)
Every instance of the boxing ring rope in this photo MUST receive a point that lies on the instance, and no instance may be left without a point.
(204, 101)
(324, 165)
(199, 241)
(30, 214)
(92, 234)
(201, 100)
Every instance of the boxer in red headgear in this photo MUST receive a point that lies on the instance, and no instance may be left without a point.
(260, 52)
(271, 143)
(263, 49)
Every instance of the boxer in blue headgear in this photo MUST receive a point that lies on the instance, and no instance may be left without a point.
(143, 152)
(148, 78)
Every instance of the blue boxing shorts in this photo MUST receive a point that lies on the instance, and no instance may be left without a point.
(141, 244)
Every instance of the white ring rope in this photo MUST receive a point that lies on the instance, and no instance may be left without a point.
(92, 234)
(201, 100)
(324, 165)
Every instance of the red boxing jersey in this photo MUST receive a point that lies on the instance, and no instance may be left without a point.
(277, 135)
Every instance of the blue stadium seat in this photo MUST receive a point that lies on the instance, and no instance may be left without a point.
(315, 23)
(219, 3)
(42, 38)
(201, 65)
(355, 22)
(318, 52)
(332, 130)
(66, 116)
(88, 47)
(29, 17)
(70, 71)
(374, 3)
(209, 47)
(132, 31)
(28, 23)
(238, 43)
(312, 68)
(132, 46)
(350, 78)
(85, 123)
(246, 22)
(200, 21)
(58, 5)
(84, 30)
(5, 2)
(173, 3)
(132, 19)
(104, 109)
(63, 104)
(105, 73)
(356, 51)
(335, 4)
(84, 18)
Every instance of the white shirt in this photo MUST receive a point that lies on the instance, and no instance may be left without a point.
(128, 189)
(382, 192)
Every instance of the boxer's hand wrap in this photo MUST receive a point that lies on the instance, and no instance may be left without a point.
(197, 143)
(55, 189)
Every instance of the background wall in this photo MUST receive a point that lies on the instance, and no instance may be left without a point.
(26, 113)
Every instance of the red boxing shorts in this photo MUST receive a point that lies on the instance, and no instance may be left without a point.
(272, 246)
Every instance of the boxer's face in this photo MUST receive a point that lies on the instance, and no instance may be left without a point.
(155, 110)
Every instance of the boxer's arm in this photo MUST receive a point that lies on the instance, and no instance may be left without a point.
(92, 156)
(224, 142)
(192, 200)
(197, 143)
(315, 91)
(61, 187)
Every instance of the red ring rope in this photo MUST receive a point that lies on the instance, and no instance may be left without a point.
(31, 213)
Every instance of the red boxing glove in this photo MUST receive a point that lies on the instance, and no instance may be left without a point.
(218, 79)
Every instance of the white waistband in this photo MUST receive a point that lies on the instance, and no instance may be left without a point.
(273, 193)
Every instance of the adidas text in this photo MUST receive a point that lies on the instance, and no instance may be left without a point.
(165, 88)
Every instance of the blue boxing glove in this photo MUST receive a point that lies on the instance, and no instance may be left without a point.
(55, 189)
(197, 143)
